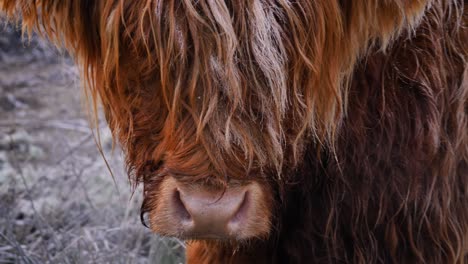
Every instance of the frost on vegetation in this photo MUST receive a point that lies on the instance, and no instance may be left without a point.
(58, 201)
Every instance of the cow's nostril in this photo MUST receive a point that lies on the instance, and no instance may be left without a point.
(179, 207)
(242, 210)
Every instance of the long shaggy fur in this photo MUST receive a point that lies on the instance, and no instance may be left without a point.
(354, 112)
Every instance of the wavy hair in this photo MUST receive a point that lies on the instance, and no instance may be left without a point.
(363, 102)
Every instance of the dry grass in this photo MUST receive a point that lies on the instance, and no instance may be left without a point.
(58, 201)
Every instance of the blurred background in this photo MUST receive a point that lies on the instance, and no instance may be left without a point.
(58, 200)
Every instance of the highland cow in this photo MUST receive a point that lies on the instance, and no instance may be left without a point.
(283, 131)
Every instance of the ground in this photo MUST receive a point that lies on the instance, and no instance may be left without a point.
(58, 200)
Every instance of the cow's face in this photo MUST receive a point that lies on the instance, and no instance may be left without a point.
(213, 101)
(209, 100)
(210, 113)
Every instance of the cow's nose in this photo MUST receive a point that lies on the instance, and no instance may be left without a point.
(201, 211)
(207, 213)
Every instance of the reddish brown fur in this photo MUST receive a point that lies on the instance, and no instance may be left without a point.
(352, 114)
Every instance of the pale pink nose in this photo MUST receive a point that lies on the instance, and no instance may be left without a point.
(204, 212)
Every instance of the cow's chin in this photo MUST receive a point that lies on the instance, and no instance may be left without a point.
(238, 212)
